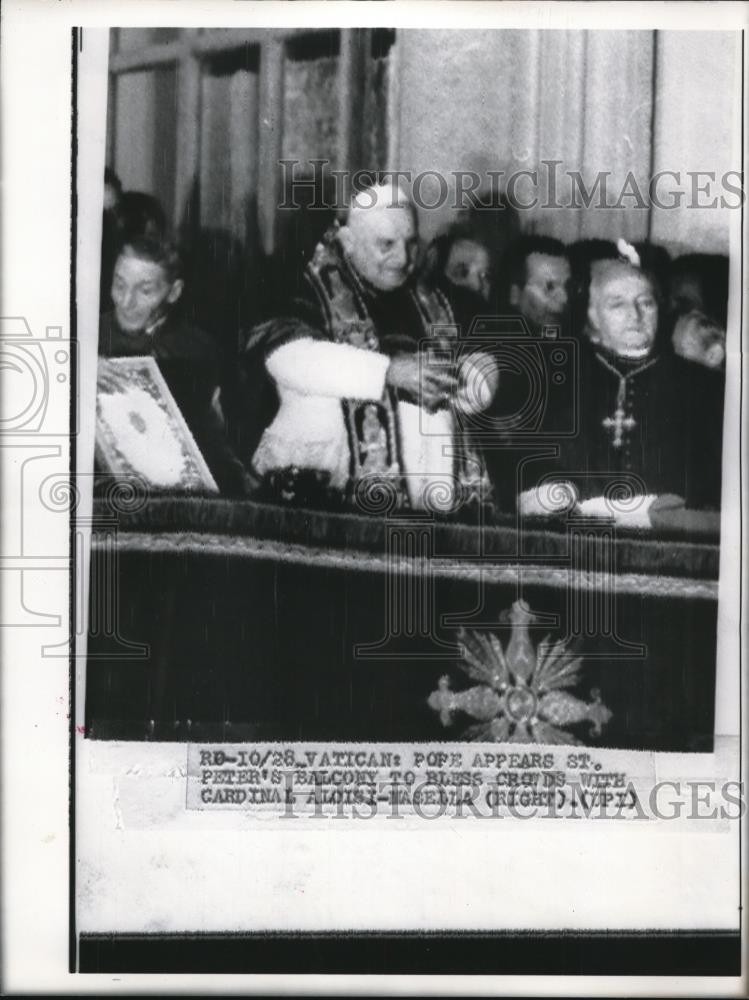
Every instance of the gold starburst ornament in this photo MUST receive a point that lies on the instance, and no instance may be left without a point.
(522, 694)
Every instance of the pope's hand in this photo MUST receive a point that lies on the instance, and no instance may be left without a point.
(430, 387)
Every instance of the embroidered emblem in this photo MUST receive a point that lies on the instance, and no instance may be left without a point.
(521, 696)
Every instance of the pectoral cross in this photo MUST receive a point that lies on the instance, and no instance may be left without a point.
(619, 422)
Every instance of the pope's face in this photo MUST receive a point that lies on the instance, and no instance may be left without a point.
(381, 244)
(543, 298)
(623, 315)
(468, 266)
(141, 293)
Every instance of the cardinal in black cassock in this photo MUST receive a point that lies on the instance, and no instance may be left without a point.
(649, 424)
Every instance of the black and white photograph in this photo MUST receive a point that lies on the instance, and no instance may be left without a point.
(466, 420)
(403, 469)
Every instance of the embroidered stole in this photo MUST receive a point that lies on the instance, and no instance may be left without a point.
(375, 445)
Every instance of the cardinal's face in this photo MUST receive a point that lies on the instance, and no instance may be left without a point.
(623, 315)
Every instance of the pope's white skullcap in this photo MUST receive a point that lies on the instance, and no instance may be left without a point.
(380, 196)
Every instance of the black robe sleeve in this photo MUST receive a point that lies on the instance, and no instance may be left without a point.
(255, 402)
(703, 393)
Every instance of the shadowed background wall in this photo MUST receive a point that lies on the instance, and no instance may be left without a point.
(630, 103)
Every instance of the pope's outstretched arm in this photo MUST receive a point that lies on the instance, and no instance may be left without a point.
(320, 368)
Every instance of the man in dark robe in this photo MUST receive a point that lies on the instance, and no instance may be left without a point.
(538, 277)
(356, 405)
(649, 424)
(146, 290)
(531, 308)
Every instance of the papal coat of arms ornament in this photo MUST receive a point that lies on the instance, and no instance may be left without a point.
(522, 694)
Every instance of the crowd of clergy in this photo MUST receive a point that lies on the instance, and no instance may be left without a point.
(491, 369)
